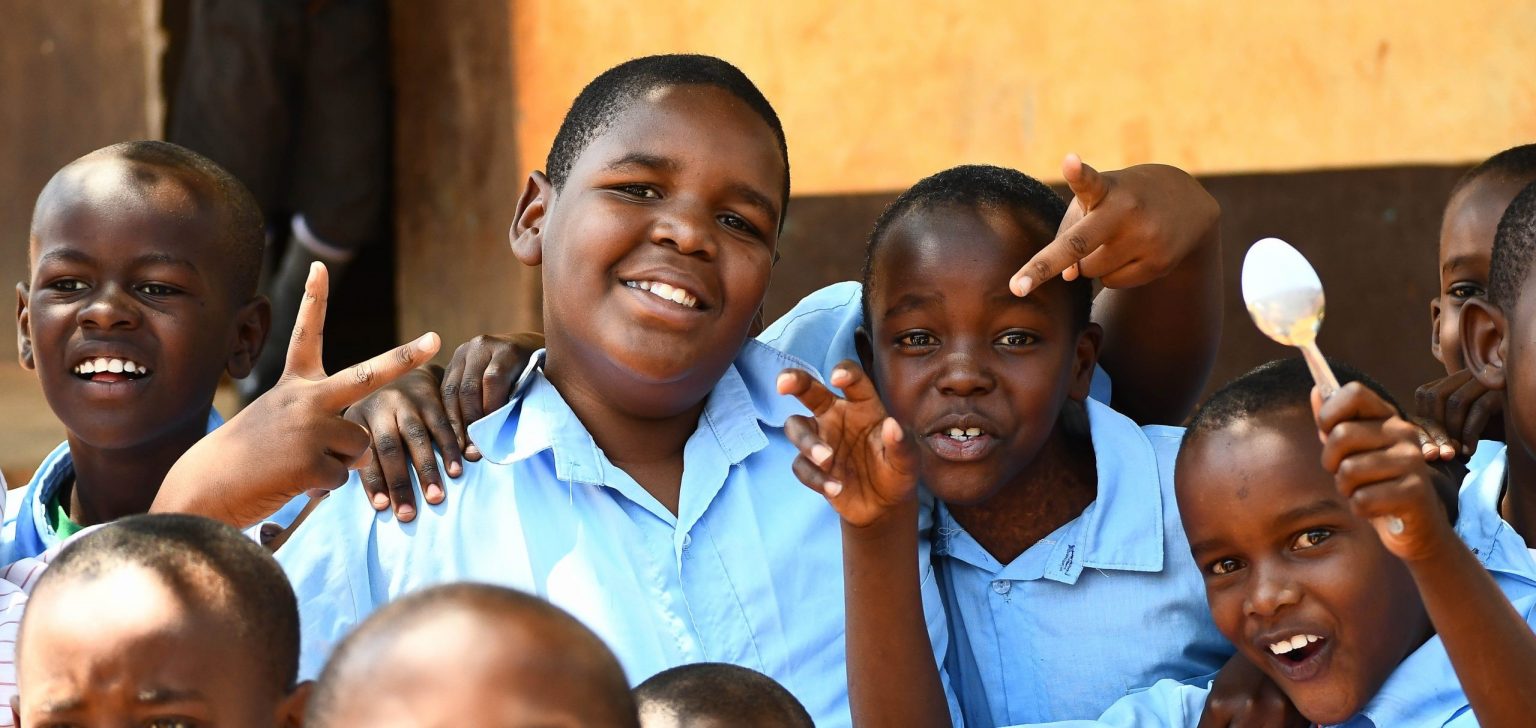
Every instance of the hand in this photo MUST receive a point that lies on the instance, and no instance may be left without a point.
(1242, 696)
(405, 420)
(291, 439)
(1379, 467)
(1455, 412)
(480, 379)
(850, 451)
(1125, 228)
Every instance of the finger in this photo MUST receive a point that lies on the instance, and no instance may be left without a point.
(1069, 247)
(390, 453)
(418, 441)
(446, 439)
(815, 479)
(1088, 186)
(1457, 404)
(372, 477)
(304, 347)
(1487, 407)
(856, 385)
(805, 435)
(1353, 401)
(1215, 715)
(471, 397)
(1368, 468)
(450, 393)
(898, 447)
(496, 383)
(341, 389)
(804, 387)
(1434, 442)
(1352, 438)
(1107, 261)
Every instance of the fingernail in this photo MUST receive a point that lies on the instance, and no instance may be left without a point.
(380, 501)
(1448, 452)
(405, 512)
(832, 488)
(472, 452)
(455, 469)
(1021, 286)
(1465, 450)
(820, 454)
(426, 341)
(784, 381)
(434, 493)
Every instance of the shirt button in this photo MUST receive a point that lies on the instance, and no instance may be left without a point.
(687, 541)
(1002, 586)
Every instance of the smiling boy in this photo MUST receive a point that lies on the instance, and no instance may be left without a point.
(640, 480)
(143, 259)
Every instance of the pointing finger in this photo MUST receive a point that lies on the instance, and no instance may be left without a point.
(343, 388)
(309, 327)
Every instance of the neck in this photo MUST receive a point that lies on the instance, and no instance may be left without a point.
(647, 447)
(1046, 495)
(114, 483)
(1518, 506)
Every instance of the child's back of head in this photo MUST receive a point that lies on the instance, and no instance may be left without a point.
(157, 617)
(715, 695)
(472, 654)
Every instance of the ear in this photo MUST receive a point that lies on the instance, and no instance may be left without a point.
(527, 232)
(865, 346)
(252, 323)
(24, 327)
(290, 713)
(1434, 326)
(1483, 344)
(1084, 359)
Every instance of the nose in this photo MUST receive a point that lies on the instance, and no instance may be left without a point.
(964, 376)
(686, 227)
(110, 308)
(1271, 591)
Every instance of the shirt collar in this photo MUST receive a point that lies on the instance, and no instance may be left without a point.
(537, 418)
(1121, 530)
(1423, 690)
(1495, 543)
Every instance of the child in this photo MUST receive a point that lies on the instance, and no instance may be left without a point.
(1457, 409)
(165, 619)
(1054, 510)
(1359, 626)
(716, 695)
(471, 655)
(639, 481)
(1496, 338)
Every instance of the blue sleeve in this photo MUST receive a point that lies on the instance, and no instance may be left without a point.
(326, 559)
(820, 328)
(1167, 704)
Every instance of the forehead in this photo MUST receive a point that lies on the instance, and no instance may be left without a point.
(935, 247)
(1472, 217)
(1240, 477)
(110, 205)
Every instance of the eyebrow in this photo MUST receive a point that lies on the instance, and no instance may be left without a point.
(1458, 262)
(1308, 510)
(649, 161)
(667, 164)
(70, 255)
(910, 301)
(161, 696)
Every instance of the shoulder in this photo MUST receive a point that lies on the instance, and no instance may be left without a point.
(820, 328)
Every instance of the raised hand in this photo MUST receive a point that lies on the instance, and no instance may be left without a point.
(480, 379)
(850, 450)
(293, 438)
(1126, 228)
(1456, 412)
(1379, 466)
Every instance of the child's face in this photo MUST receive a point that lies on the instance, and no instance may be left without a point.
(129, 277)
(1286, 561)
(657, 251)
(1466, 245)
(468, 670)
(124, 645)
(977, 374)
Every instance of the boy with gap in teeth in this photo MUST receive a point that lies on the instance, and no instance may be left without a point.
(1053, 510)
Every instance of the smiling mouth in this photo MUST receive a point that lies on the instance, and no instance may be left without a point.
(666, 292)
(110, 370)
(1299, 657)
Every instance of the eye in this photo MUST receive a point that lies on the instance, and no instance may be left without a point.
(68, 285)
(170, 723)
(1310, 537)
(1464, 291)
(737, 222)
(1017, 338)
(644, 192)
(157, 289)
(916, 340)
(1221, 567)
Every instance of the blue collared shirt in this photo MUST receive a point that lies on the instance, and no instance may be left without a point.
(820, 329)
(749, 570)
(1495, 543)
(26, 531)
(1107, 604)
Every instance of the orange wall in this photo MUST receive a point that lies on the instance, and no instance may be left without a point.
(877, 94)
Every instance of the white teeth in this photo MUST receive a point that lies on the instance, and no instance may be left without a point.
(1298, 642)
(86, 367)
(645, 285)
(662, 289)
(115, 366)
(129, 367)
(1294, 643)
(667, 291)
(101, 365)
(1312, 638)
(972, 431)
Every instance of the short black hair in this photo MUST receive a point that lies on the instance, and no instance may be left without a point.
(355, 657)
(250, 588)
(978, 186)
(724, 691)
(1513, 246)
(244, 233)
(615, 89)
(1284, 385)
(1515, 163)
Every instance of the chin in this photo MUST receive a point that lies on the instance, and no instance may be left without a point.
(1324, 709)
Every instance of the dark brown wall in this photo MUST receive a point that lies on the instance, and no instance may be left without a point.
(1370, 233)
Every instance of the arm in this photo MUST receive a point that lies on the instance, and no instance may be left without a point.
(1379, 466)
(1149, 234)
(862, 462)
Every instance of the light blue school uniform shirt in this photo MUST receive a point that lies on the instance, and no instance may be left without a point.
(1423, 691)
(1108, 604)
(748, 572)
(27, 533)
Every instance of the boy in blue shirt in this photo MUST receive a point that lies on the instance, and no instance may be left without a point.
(640, 479)
(1054, 511)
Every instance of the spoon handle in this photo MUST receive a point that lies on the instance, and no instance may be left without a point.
(1327, 384)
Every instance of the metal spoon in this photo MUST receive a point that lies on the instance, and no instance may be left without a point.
(1285, 299)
